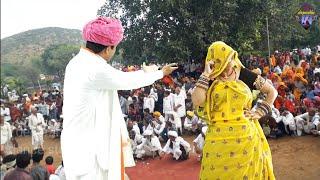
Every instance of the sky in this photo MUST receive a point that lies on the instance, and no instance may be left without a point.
(23, 15)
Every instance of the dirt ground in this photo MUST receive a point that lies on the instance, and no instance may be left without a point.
(294, 158)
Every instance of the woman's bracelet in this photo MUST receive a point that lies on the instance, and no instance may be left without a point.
(265, 108)
(203, 82)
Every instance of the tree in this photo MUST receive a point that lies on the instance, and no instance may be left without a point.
(172, 30)
(56, 57)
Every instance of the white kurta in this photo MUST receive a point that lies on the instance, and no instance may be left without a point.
(148, 147)
(199, 141)
(36, 124)
(180, 99)
(6, 133)
(92, 114)
(6, 113)
(175, 150)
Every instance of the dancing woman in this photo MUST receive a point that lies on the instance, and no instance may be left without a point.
(235, 146)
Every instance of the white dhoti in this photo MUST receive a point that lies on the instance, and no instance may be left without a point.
(188, 126)
(37, 139)
(177, 153)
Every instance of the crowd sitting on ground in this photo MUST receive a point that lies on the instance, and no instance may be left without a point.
(160, 117)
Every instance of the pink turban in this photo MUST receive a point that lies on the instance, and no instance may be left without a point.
(103, 30)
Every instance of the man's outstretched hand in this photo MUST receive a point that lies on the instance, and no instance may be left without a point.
(151, 68)
(168, 69)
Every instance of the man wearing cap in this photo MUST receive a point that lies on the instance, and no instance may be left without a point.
(177, 146)
(92, 114)
(191, 121)
(160, 126)
(150, 145)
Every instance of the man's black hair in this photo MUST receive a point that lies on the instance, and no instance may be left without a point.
(49, 160)
(23, 159)
(147, 110)
(8, 158)
(95, 47)
(37, 155)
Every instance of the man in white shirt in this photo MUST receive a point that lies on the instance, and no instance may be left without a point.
(199, 142)
(159, 126)
(177, 146)
(179, 103)
(167, 104)
(150, 145)
(149, 102)
(307, 122)
(175, 119)
(135, 140)
(5, 111)
(7, 140)
(289, 122)
(93, 122)
(36, 124)
(191, 122)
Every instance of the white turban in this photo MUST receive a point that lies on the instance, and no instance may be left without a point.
(173, 133)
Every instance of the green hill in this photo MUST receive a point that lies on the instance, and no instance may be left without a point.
(20, 48)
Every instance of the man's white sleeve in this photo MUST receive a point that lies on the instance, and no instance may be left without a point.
(107, 77)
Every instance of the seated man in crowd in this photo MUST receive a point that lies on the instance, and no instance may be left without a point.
(191, 122)
(157, 115)
(288, 121)
(133, 125)
(175, 119)
(199, 142)
(307, 122)
(150, 145)
(160, 127)
(177, 146)
(135, 140)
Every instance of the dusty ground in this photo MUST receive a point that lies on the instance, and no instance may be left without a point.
(294, 158)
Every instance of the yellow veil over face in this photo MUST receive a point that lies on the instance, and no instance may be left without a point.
(221, 54)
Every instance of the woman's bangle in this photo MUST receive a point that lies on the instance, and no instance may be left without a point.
(202, 86)
(264, 105)
(205, 76)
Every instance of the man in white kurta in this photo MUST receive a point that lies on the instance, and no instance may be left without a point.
(5, 111)
(6, 137)
(191, 121)
(36, 124)
(288, 121)
(179, 99)
(199, 142)
(307, 122)
(93, 128)
(167, 104)
(150, 145)
(177, 146)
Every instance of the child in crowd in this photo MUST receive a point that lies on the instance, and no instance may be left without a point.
(49, 164)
